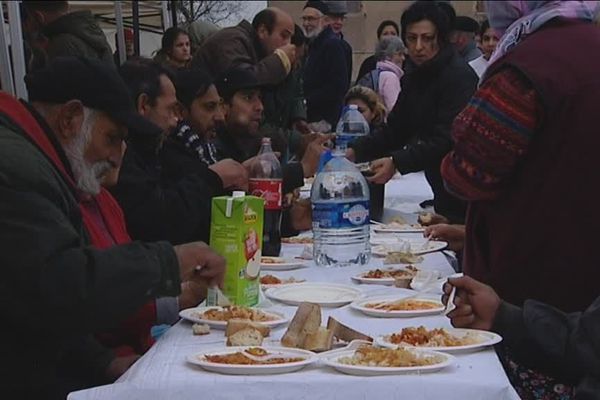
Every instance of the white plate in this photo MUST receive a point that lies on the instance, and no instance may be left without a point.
(373, 371)
(416, 246)
(398, 229)
(268, 369)
(360, 306)
(282, 264)
(487, 339)
(323, 294)
(195, 315)
(375, 281)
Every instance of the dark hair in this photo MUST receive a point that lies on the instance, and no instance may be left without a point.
(485, 25)
(431, 11)
(191, 84)
(266, 17)
(385, 24)
(169, 38)
(298, 38)
(142, 76)
(45, 6)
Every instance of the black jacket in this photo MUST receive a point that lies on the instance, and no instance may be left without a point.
(56, 288)
(326, 77)
(166, 194)
(419, 125)
(565, 346)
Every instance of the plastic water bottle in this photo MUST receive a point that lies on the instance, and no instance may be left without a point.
(340, 212)
(351, 126)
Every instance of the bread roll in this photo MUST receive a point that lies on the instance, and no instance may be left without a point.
(245, 337)
(321, 340)
(236, 324)
(306, 320)
(345, 333)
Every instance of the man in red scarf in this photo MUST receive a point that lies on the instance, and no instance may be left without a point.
(65, 275)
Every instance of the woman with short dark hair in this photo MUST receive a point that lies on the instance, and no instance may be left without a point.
(386, 28)
(436, 86)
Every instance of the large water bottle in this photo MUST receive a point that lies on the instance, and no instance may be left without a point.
(350, 127)
(340, 212)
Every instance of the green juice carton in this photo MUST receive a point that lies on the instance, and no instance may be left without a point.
(236, 231)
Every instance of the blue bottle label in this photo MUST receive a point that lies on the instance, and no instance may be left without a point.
(340, 215)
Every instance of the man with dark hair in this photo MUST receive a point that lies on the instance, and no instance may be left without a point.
(263, 47)
(58, 32)
(61, 233)
(240, 137)
(326, 72)
(437, 85)
(463, 38)
(161, 198)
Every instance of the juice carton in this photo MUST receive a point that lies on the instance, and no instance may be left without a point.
(236, 232)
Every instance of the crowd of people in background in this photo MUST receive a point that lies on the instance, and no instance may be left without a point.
(108, 170)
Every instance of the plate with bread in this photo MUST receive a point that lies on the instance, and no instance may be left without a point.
(280, 264)
(252, 360)
(217, 317)
(323, 294)
(440, 339)
(306, 332)
(394, 307)
(371, 361)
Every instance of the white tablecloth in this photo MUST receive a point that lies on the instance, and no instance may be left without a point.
(164, 374)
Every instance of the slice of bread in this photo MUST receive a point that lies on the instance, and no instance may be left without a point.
(345, 333)
(321, 340)
(245, 337)
(236, 324)
(307, 320)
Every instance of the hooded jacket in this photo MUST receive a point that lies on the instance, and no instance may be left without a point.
(77, 34)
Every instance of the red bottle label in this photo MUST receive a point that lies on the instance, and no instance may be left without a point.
(269, 190)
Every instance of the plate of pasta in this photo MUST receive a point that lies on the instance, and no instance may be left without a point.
(398, 307)
(449, 340)
(217, 317)
(372, 361)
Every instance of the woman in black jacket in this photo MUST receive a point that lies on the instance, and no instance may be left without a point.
(437, 85)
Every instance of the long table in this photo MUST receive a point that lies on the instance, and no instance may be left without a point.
(163, 373)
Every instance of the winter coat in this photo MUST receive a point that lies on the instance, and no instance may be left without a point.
(566, 346)
(239, 46)
(77, 34)
(326, 78)
(48, 261)
(418, 132)
(166, 194)
(389, 83)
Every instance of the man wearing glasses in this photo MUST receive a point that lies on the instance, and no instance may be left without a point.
(328, 68)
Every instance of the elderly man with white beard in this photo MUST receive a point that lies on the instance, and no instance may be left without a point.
(65, 273)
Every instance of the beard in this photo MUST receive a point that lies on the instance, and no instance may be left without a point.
(88, 176)
(312, 34)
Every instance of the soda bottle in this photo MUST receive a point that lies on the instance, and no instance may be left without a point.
(265, 181)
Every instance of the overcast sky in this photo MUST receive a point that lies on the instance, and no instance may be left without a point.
(250, 9)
